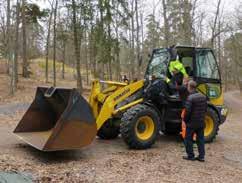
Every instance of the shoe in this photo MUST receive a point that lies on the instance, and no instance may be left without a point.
(200, 159)
(188, 158)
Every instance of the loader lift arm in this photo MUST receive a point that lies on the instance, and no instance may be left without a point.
(119, 92)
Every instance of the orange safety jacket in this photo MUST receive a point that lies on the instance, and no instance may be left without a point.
(183, 126)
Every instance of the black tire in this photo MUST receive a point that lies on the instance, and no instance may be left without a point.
(215, 120)
(109, 130)
(129, 128)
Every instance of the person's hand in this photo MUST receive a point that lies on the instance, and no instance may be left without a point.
(185, 81)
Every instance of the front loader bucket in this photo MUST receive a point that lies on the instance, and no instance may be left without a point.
(58, 119)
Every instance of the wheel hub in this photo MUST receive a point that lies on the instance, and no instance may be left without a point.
(145, 128)
(141, 127)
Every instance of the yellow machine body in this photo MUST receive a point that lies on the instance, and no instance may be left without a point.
(103, 102)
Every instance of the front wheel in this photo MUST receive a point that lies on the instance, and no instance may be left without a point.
(211, 125)
(140, 126)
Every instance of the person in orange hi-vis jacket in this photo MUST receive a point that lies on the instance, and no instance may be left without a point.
(183, 126)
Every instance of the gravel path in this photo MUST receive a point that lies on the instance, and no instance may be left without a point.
(233, 101)
(112, 161)
(11, 109)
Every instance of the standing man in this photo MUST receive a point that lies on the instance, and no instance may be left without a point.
(196, 107)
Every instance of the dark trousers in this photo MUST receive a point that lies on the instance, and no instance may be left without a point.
(199, 140)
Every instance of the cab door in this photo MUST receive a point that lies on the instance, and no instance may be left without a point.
(207, 76)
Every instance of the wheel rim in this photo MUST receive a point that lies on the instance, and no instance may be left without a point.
(209, 126)
(144, 128)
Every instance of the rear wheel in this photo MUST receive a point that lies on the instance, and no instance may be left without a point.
(109, 130)
(211, 125)
(140, 126)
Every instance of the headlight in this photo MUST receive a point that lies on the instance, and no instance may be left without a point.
(224, 112)
(150, 78)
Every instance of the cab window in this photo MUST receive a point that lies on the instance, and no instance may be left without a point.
(206, 65)
(158, 64)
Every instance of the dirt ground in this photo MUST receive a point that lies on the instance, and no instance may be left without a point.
(112, 161)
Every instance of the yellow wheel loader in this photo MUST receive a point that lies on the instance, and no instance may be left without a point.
(61, 119)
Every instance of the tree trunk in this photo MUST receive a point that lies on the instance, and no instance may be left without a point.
(92, 53)
(77, 47)
(110, 70)
(132, 41)
(86, 59)
(187, 23)
(137, 40)
(109, 17)
(101, 39)
(215, 24)
(118, 65)
(15, 60)
(193, 19)
(47, 47)
(8, 35)
(166, 24)
(219, 49)
(25, 61)
(86, 52)
(54, 45)
(142, 39)
(63, 61)
(130, 52)
(16, 53)
(117, 48)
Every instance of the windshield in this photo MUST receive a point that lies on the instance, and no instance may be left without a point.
(158, 64)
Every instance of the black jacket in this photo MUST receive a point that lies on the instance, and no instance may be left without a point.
(183, 93)
(175, 81)
(196, 108)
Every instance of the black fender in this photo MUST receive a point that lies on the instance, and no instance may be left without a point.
(216, 110)
(161, 113)
(156, 91)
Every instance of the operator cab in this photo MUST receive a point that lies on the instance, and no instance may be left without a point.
(200, 64)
